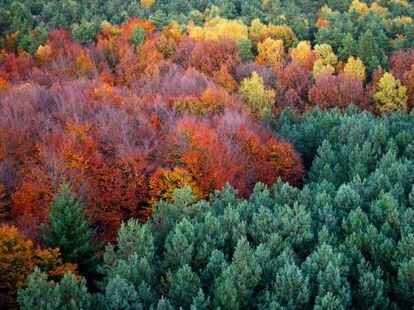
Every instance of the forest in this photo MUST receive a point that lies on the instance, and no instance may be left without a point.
(186, 154)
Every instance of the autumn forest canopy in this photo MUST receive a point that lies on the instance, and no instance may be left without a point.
(232, 154)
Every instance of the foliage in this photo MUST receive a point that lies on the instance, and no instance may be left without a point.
(391, 95)
(356, 68)
(259, 99)
(69, 231)
(334, 243)
(18, 259)
(134, 102)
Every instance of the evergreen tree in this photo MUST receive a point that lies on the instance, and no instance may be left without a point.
(69, 294)
(69, 231)
(120, 294)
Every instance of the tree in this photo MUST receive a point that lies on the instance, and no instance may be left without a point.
(325, 61)
(245, 50)
(120, 294)
(271, 52)
(85, 32)
(356, 68)
(369, 52)
(18, 259)
(138, 36)
(349, 47)
(339, 91)
(147, 4)
(391, 95)
(291, 287)
(240, 278)
(186, 284)
(303, 53)
(42, 294)
(69, 231)
(164, 182)
(258, 99)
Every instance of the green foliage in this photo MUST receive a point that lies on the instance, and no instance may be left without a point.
(69, 231)
(69, 294)
(259, 99)
(138, 36)
(85, 32)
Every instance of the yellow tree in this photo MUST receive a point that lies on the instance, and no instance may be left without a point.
(304, 54)
(356, 68)
(377, 9)
(258, 99)
(284, 33)
(219, 28)
(164, 182)
(257, 31)
(326, 60)
(391, 94)
(147, 4)
(271, 52)
(359, 7)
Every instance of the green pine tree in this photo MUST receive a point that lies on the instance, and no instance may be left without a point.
(69, 231)
(40, 293)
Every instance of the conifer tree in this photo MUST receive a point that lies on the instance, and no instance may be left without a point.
(69, 231)
(69, 294)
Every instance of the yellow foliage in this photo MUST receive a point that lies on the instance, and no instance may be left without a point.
(356, 68)
(257, 31)
(324, 12)
(284, 33)
(377, 9)
(44, 52)
(362, 8)
(302, 52)
(320, 68)
(147, 4)
(164, 182)
(83, 64)
(403, 20)
(392, 95)
(258, 99)
(188, 105)
(359, 7)
(326, 60)
(271, 52)
(326, 54)
(403, 3)
(219, 28)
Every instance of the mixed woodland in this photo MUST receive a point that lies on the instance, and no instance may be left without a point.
(232, 154)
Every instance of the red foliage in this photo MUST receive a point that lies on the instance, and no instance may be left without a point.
(209, 56)
(331, 91)
(106, 118)
(293, 85)
(401, 62)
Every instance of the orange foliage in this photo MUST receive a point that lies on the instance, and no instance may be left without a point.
(225, 79)
(209, 56)
(322, 23)
(18, 259)
(31, 200)
(126, 125)
(117, 191)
